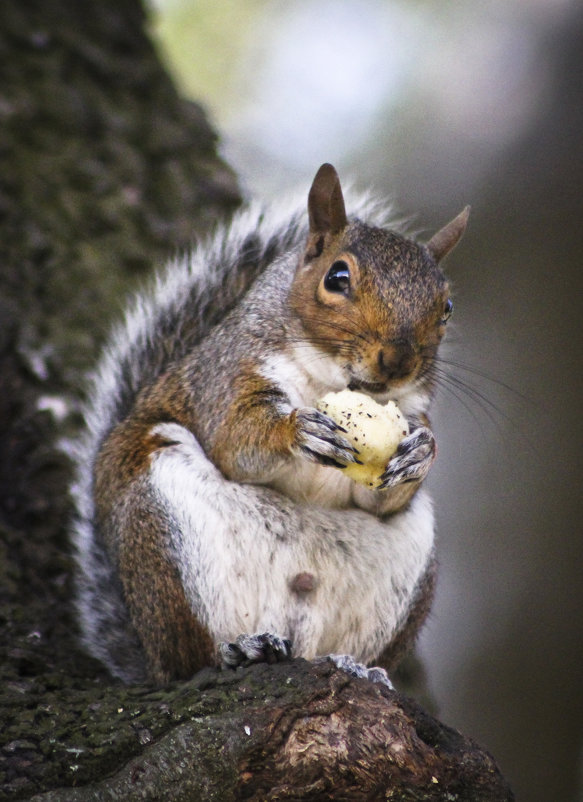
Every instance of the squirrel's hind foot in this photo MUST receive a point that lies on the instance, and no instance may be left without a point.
(248, 649)
(347, 663)
(271, 648)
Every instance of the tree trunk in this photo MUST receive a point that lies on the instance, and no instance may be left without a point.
(105, 170)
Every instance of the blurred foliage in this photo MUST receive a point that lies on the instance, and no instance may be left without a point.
(203, 41)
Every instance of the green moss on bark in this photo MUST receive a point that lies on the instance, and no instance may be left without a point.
(104, 172)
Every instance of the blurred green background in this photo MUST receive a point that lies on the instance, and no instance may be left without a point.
(436, 105)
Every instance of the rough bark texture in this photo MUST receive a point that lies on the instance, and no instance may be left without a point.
(294, 731)
(104, 170)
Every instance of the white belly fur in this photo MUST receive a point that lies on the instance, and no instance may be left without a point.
(240, 546)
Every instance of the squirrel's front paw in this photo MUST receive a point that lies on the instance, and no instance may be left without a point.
(320, 439)
(412, 460)
(248, 649)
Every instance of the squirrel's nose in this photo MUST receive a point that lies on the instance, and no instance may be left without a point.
(397, 360)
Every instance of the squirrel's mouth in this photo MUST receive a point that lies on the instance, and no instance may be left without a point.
(368, 387)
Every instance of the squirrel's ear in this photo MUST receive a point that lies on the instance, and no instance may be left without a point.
(448, 237)
(325, 203)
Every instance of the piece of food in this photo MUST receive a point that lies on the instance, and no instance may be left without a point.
(373, 429)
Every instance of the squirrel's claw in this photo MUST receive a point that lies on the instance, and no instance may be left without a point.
(319, 439)
(412, 460)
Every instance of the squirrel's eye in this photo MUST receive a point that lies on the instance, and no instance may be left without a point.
(447, 310)
(337, 279)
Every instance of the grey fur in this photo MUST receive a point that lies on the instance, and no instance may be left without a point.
(164, 323)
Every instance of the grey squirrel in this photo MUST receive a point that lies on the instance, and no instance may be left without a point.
(208, 500)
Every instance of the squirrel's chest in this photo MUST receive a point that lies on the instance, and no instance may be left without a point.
(305, 374)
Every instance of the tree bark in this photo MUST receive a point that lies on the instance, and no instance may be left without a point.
(105, 171)
(287, 732)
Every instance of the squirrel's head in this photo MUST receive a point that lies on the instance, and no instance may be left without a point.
(375, 301)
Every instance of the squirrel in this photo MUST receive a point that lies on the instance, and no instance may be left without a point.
(209, 507)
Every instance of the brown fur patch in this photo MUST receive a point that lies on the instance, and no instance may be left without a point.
(176, 643)
(253, 434)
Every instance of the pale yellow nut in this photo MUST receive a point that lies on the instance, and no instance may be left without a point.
(373, 429)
